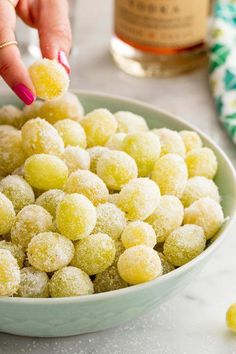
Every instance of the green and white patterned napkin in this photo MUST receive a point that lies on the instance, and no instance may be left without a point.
(223, 62)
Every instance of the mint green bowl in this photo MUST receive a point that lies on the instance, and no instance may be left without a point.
(76, 315)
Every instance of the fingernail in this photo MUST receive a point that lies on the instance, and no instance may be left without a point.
(62, 58)
(24, 94)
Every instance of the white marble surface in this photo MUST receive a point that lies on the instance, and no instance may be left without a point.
(193, 321)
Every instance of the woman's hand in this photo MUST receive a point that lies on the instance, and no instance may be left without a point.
(50, 18)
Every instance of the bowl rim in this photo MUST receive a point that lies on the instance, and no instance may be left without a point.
(173, 274)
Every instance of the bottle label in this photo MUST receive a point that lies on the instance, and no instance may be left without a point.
(161, 24)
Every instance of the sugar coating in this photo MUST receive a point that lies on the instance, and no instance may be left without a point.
(32, 111)
(49, 200)
(70, 281)
(72, 133)
(40, 137)
(33, 283)
(138, 233)
(110, 220)
(139, 198)
(145, 149)
(231, 317)
(15, 250)
(94, 253)
(171, 142)
(129, 122)
(191, 140)
(184, 244)
(88, 184)
(139, 264)
(207, 213)
(12, 154)
(9, 273)
(167, 267)
(11, 115)
(95, 153)
(116, 141)
(49, 78)
(201, 162)
(30, 221)
(113, 198)
(44, 171)
(170, 173)
(7, 214)
(116, 168)
(199, 187)
(99, 126)
(75, 216)
(108, 280)
(119, 250)
(18, 191)
(50, 251)
(76, 158)
(166, 217)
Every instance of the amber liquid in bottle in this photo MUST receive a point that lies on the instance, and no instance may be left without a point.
(159, 37)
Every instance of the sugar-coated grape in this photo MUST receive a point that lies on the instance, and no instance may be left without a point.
(116, 141)
(12, 154)
(145, 149)
(76, 158)
(19, 171)
(7, 214)
(65, 107)
(139, 264)
(99, 126)
(110, 220)
(138, 233)
(49, 200)
(32, 111)
(113, 198)
(49, 78)
(94, 253)
(95, 153)
(50, 251)
(184, 243)
(40, 137)
(119, 250)
(129, 122)
(5, 128)
(167, 267)
(45, 171)
(11, 115)
(199, 187)
(191, 140)
(88, 184)
(139, 198)
(30, 221)
(201, 162)
(15, 250)
(108, 280)
(9, 273)
(207, 213)
(18, 191)
(75, 216)
(33, 283)
(70, 281)
(116, 168)
(167, 216)
(231, 317)
(170, 173)
(171, 142)
(71, 132)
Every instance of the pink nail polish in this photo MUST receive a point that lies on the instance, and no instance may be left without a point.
(62, 58)
(24, 94)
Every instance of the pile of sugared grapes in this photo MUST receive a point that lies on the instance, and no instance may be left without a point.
(97, 202)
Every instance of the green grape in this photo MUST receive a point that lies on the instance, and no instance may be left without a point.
(113, 198)
(70, 281)
(116, 168)
(119, 250)
(191, 140)
(50, 251)
(129, 122)
(72, 133)
(76, 158)
(7, 214)
(138, 233)
(75, 216)
(184, 244)
(94, 253)
(231, 317)
(201, 162)
(9, 274)
(108, 280)
(110, 220)
(15, 250)
(33, 284)
(49, 78)
(139, 264)
(11, 115)
(167, 267)
(116, 141)
(49, 200)
(95, 153)
(171, 142)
